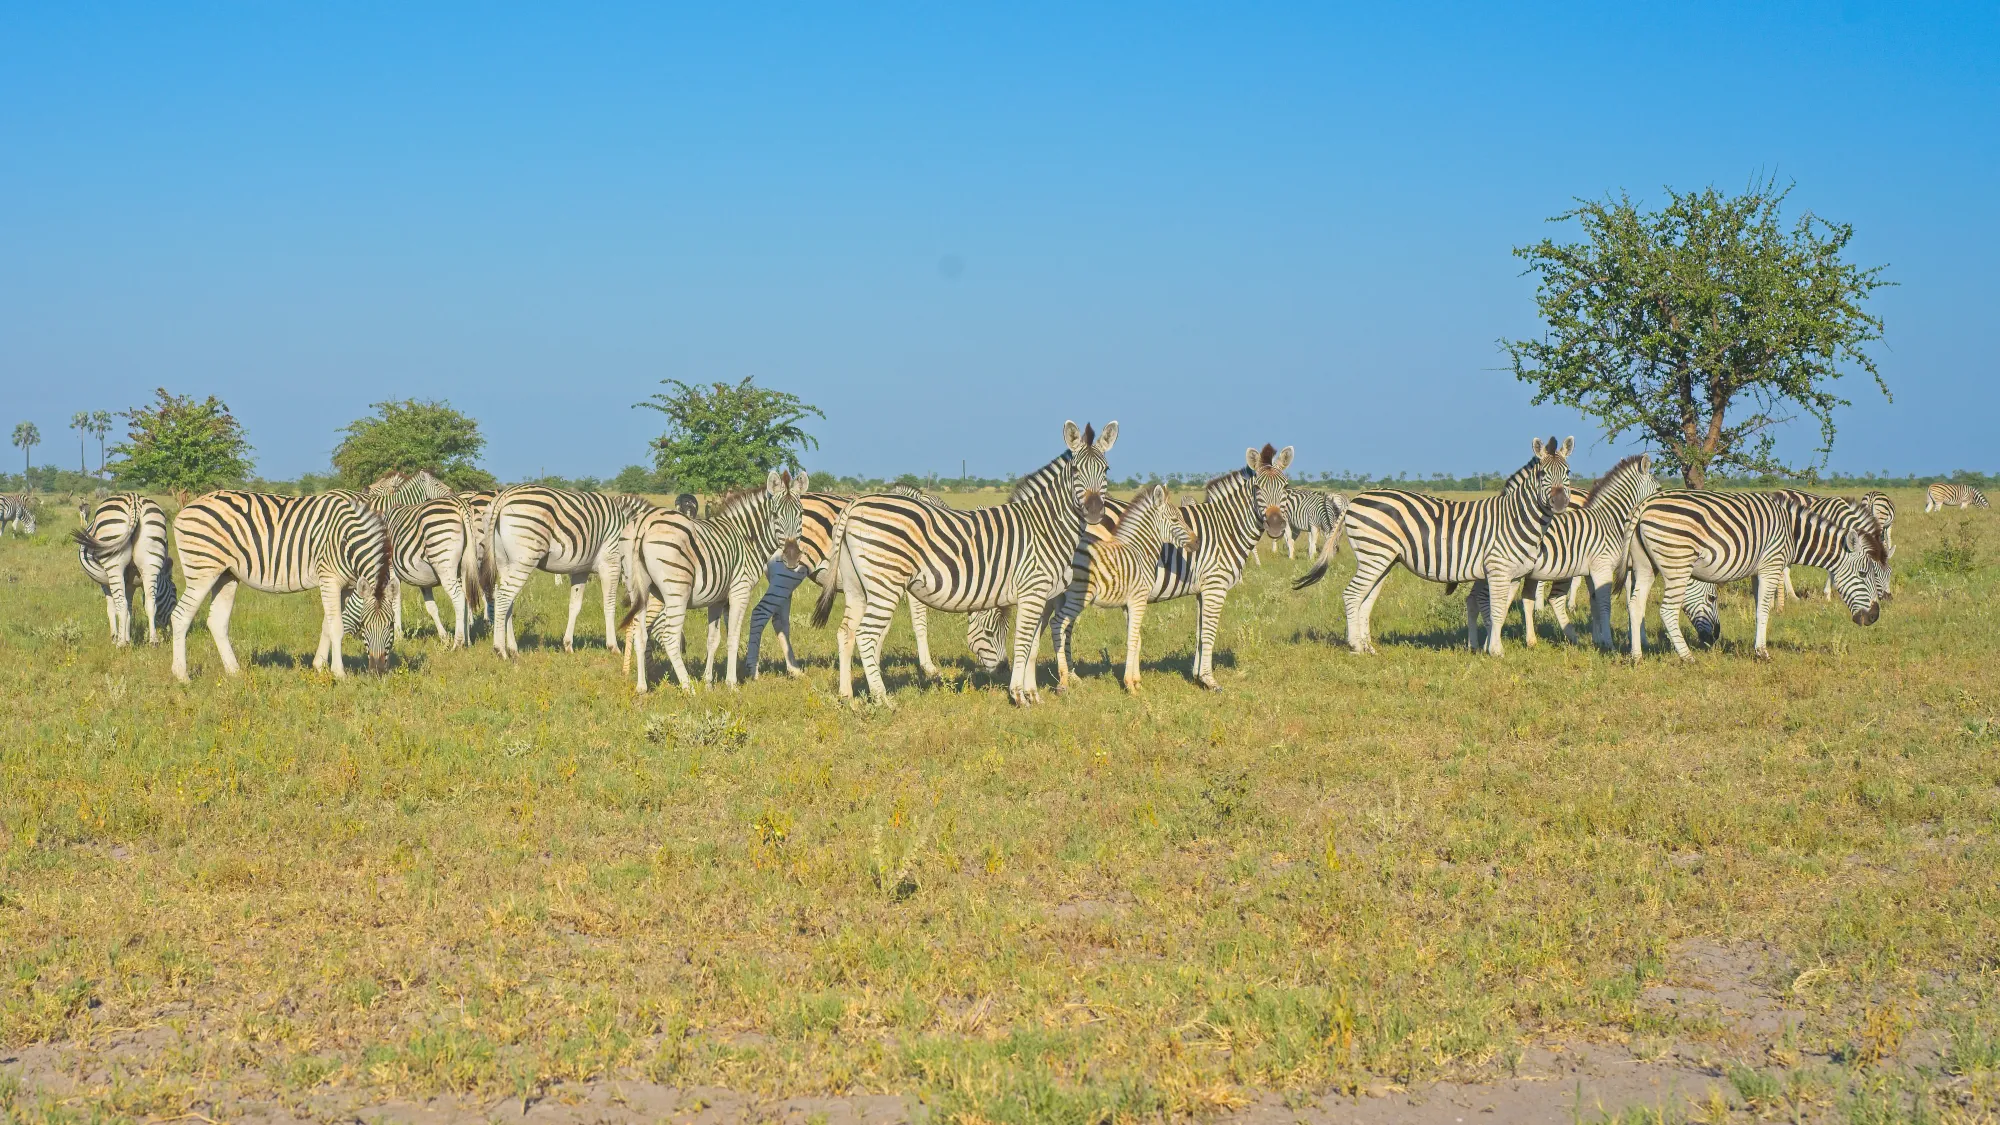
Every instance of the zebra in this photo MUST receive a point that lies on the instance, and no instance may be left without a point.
(417, 490)
(1725, 536)
(1237, 512)
(1586, 541)
(1945, 494)
(18, 510)
(1844, 512)
(385, 485)
(1495, 539)
(818, 511)
(1115, 568)
(1019, 553)
(333, 542)
(1309, 510)
(532, 526)
(713, 563)
(434, 547)
(123, 548)
(688, 504)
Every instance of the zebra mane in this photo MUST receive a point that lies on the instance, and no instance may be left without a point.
(1605, 480)
(1034, 482)
(737, 500)
(1130, 522)
(1233, 480)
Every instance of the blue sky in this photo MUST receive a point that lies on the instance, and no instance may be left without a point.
(950, 226)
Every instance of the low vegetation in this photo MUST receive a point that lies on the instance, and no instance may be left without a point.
(496, 879)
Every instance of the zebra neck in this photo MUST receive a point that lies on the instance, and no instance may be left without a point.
(1522, 520)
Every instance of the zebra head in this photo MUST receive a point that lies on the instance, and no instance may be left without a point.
(782, 513)
(1269, 464)
(1703, 606)
(688, 504)
(1179, 529)
(1088, 470)
(1551, 473)
(1861, 573)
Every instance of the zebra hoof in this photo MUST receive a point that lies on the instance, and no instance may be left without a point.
(1208, 682)
(1763, 655)
(796, 673)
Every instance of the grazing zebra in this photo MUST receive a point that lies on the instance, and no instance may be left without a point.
(435, 547)
(818, 511)
(713, 563)
(1019, 553)
(1495, 539)
(1115, 568)
(417, 490)
(1942, 495)
(1847, 513)
(18, 510)
(1585, 541)
(532, 526)
(333, 542)
(1309, 511)
(1726, 536)
(123, 548)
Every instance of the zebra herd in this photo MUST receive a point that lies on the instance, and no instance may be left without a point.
(1060, 543)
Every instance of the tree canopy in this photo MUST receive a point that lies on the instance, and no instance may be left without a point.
(1700, 326)
(182, 446)
(725, 436)
(410, 435)
(27, 436)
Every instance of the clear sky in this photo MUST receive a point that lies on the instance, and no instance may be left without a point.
(951, 226)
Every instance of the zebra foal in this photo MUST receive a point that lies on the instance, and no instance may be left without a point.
(1717, 537)
(123, 548)
(1115, 568)
(333, 542)
(1938, 497)
(1494, 539)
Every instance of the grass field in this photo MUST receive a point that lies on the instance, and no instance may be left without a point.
(1339, 872)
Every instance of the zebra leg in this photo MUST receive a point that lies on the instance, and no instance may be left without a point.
(1209, 602)
(429, 594)
(1135, 616)
(1765, 585)
(924, 661)
(1312, 542)
(454, 592)
(1559, 595)
(870, 615)
(1062, 625)
(673, 627)
(114, 612)
(1636, 591)
(739, 604)
(218, 622)
(1028, 612)
(1500, 594)
(505, 589)
(1600, 609)
(635, 637)
(575, 607)
(184, 610)
(1291, 550)
(714, 642)
(607, 582)
(1360, 595)
(1531, 605)
(1673, 591)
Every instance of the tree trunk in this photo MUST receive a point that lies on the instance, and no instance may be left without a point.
(1694, 476)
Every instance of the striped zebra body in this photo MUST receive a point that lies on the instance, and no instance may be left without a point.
(1719, 537)
(18, 510)
(333, 542)
(533, 527)
(1309, 511)
(419, 489)
(1587, 541)
(1020, 553)
(385, 485)
(1495, 539)
(1945, 494)
(1115, 568)
(433, 547)
(1852, 514)
(818, 511)
(712, 563)
(123, 548)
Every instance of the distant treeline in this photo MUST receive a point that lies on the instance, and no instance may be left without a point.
(637, 479)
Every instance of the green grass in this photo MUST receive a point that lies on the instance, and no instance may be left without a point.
(486, 878)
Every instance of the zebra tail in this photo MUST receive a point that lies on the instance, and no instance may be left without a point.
(488, 566)
(98, 548)
(1325, 557)
(823, 608)
(468, 563)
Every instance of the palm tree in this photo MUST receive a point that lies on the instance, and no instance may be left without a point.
(80, 422)
(27, 437)
(100, 424)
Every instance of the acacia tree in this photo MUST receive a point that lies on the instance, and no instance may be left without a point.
(26, 437)
(408, 436)
(1701, 325)
(725, 436)
(181, 446)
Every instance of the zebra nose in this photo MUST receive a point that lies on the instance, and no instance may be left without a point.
(1558, 498)
(1093, 505)
(792, 553)
(1868, 616)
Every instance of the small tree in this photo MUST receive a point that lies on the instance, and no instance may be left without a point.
(100, 424)
(26, 437)
(182, 446)
(408, 436)
(725, 436)
(1664, 323)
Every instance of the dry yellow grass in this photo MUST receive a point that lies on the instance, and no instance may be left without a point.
(469, 876)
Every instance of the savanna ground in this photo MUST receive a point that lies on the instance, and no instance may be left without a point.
(490, 889)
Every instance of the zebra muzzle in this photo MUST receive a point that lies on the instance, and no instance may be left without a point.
(1093, 506)
(791, 553)
(1274, 522)
(1558, 498)
(1868, 616)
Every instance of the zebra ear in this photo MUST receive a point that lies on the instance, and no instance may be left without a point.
(1538, 447)
(1569, 443)
(1107, 437)
(1072, 437)
(1253, 458)
(799, 483)
(1283, 460)
(774, 482)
